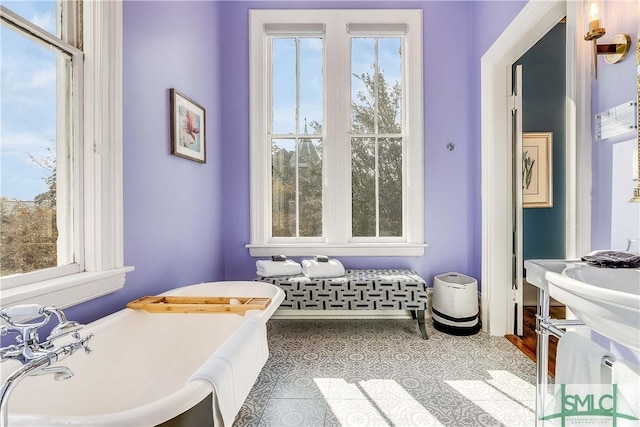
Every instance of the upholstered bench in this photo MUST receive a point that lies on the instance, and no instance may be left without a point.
(357, 290)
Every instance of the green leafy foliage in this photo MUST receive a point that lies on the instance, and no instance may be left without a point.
(28, 231)
(367, 169)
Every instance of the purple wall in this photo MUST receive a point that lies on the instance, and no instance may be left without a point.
(615, 85)
(490, 18)
(452, 204)
(172, 213)
(186, 223)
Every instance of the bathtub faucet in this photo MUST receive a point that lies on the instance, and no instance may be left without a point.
(36, 357)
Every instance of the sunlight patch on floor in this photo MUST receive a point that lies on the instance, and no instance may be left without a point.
(375, 402)
(506, 397)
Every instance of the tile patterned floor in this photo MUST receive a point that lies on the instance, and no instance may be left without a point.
(378, 372)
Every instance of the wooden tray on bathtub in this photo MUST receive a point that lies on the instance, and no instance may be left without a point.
(180, 304)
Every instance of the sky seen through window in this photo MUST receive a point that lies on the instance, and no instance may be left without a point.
(28, 102)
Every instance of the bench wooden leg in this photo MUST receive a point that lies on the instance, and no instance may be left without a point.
(413, 314)
(421, 325)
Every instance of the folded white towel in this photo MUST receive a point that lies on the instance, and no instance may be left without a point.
(233, 368)
(268, 268)
(315, 269)
(627, 377)
(579, 361)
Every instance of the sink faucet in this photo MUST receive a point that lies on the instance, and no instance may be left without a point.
(36, 357)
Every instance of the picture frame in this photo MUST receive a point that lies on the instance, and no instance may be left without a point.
(537, 170)
(188, 127)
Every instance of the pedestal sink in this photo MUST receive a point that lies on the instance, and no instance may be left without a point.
(537, 268)
(605, 299)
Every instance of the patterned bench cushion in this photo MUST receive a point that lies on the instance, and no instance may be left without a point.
(356, 290)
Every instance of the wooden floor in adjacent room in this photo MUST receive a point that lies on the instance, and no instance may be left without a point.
(527, 342)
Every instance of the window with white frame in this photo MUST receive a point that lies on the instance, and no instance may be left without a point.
(336, 132)
(61, 133)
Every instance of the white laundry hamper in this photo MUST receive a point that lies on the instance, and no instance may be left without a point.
(455, 304)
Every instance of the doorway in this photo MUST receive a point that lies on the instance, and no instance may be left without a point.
(534, 21)
(543, 119)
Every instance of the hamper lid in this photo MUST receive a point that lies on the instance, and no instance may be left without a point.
(457, 278)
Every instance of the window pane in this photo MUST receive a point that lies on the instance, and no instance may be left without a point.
(39, 12)
(363, 61)
(298, 108)
(35, 135)
(390, 186)
(283, 188)
(376, 176)
(296, 192)
(389, 85)
(297, 86)
(376, 85)
(310, 186)
(284, 86)
(311, 84)
(363, 187)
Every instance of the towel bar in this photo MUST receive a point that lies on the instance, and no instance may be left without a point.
(545, 326)
(553, 327)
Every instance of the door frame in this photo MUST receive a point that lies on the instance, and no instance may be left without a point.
(516, 88)
(529, 26)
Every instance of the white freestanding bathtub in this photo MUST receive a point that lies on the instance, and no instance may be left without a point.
(138, 373)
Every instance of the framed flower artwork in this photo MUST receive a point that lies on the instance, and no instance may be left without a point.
(187, 128)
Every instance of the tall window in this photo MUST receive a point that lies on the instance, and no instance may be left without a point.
(336, 132)
(296, 136)
(41, 101)
(61, 179)
(376, 136)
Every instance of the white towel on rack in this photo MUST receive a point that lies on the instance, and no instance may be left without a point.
(268, 268)
(314, 269)
(579, 361)
(627, 377)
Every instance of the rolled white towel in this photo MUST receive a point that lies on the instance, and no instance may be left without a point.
(268, 268)
(315, 269)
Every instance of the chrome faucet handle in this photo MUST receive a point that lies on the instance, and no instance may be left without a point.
(63, 329)
(59, 313)
(83, 341)
(10, 352)
(29, 347)
(20, 319)
(20, 313)
(87, 349)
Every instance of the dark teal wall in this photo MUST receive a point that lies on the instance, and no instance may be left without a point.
(543, 77)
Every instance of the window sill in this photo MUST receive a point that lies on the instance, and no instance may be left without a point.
(67, 291)
(354, 249)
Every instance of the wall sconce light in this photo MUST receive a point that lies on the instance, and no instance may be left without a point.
(618, 47)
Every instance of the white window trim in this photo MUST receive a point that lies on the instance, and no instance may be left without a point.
(102, 197)
(335, 191)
